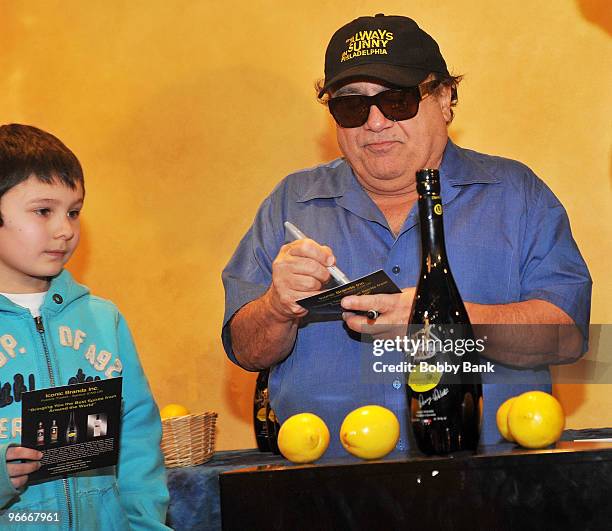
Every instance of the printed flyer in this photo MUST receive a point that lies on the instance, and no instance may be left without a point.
(76, 427)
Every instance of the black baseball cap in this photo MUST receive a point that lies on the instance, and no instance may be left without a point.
(389, 48)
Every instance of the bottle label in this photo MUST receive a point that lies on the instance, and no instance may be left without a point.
(422, 380)
(425, 374)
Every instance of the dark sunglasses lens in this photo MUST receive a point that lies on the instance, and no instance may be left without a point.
(350, 111)
(399, 105)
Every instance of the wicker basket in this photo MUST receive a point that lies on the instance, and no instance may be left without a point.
(188, 440)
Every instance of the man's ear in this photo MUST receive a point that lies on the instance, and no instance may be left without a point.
(443, 95)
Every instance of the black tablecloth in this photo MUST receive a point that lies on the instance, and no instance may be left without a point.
(194, 491)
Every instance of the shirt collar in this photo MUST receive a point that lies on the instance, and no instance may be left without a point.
(334, 179)
(62, 291)
(460, 167)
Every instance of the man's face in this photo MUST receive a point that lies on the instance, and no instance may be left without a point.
(385, 155)
(40, 232)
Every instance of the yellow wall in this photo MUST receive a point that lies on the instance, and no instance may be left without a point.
(186, 113)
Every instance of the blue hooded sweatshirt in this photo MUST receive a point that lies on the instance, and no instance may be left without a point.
(79, 337)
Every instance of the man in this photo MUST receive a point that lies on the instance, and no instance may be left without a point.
(507, 236)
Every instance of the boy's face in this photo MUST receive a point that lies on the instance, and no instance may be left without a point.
(40, 232)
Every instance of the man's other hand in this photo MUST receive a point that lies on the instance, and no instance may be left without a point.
(394, 311)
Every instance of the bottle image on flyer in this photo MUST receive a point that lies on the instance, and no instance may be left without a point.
(40, 435)
(96, 427)
(72, 433)
(53, 432)
(445, 402)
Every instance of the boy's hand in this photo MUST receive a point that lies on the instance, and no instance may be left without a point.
(18, 472)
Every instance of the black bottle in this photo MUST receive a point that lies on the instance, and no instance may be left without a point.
(260, 403)
(273, 427)
(72, 433)
(445, 401)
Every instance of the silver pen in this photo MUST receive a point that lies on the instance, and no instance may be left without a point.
(297, 234)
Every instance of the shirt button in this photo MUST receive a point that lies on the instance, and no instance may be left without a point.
(396, 269)
(57, 299)
(396, 384)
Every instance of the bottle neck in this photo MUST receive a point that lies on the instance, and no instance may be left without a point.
(432, 231)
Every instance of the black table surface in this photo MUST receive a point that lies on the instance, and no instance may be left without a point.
(196, 500)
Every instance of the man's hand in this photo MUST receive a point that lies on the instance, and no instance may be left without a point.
(394, 310)
(298, 271)
(264, 330)
(18, 472)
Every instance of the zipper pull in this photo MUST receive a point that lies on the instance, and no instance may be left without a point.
(39, 325)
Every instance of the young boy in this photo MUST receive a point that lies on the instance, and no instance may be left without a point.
(53, 332)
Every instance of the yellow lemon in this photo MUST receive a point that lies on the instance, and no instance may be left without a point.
(303, 438)
(370, 432)
(536, 419)
(502, 419)
(173, 410)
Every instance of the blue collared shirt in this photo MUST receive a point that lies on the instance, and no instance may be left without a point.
(508, 239)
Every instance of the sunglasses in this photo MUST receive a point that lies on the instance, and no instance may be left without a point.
(395, 104)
